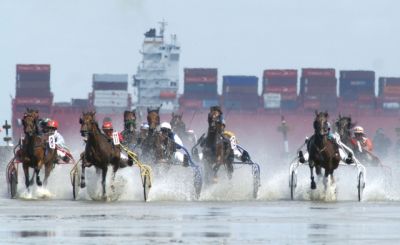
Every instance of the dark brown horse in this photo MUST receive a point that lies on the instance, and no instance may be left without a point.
(129, 132)
(148, 149)
(177, 124)
(217, 150)
(323, 152)
(99, 150)
(36, 151)
(343, 127)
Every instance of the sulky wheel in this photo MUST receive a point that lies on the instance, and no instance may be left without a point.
(293, 183)
(360, 185)
(13, 181)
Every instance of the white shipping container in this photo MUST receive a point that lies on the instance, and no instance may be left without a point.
(110, 77)
(391, 105)
(111, 98)
(272, 100)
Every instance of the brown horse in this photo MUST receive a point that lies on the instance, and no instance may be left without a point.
(323, 152)
(148, 150)
(343, 126)
(129, 132)
(178, 125)
(36, 152)
(217, 150)
(99, 150)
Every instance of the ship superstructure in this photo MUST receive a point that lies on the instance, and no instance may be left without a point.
(157, 76)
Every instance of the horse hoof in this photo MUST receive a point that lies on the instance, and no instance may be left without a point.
(39, 183)
(313, 186)
(83, 185)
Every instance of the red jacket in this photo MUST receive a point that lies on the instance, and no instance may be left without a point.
(366, 143)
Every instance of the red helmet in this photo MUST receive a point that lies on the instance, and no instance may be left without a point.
(107, 125)
(52, 124)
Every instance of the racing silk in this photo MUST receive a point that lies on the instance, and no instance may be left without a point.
(176, 139)
(365, 142)
(232, 138)
(59, 139)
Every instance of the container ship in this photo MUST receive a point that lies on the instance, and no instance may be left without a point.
(287, 101)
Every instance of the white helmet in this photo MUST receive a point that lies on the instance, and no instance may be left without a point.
(166, 125)
(358, 130)
(144, 125)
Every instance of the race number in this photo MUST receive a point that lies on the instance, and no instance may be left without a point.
(52, 142)
(116, 138)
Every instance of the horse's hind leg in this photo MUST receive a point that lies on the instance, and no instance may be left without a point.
(47, 169)
(313, 185)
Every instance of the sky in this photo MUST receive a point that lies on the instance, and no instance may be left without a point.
(239, 37)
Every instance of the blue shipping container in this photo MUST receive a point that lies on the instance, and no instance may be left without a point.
(240, 81)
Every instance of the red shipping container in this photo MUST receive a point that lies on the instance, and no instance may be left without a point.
(313, 72)
(311, 104)
(280, 73)
(33, 68)
(280, 89)
(167, 95)
(203, 79)
(196, 104)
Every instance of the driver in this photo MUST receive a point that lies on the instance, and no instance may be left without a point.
(179, 156)
(360, 140)
(62, 150)
(108, 130)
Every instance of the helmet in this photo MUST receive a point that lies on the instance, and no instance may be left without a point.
(52, 124)
(358, 130)
(144, 125)
(166, 125)
(107, 125)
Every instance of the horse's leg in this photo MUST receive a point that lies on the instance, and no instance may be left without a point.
(103, 181)
(37, 170)
(83, 159)
(26, 173)
(313, 185)
(47, 169)
(115, 168)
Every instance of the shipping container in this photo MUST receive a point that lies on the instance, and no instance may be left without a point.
(109, 98)
(357, 75)
(209, 103)
(117, 78)
(42, 93)
(167, 95)
(387, 84)
(314, 72)
(191, 103)
(32, 68)
(201, 87)
(280, 89)
(45, 85)
(245, 81)
(272, 100)
(200, 72)
(229, 89)
(82, 103)
(285, 73)
(110, 86)
(26, 77)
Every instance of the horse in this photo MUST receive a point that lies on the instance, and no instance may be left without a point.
(343, 126)
(323, 152)
(217, 150)
(36, 151)
(179, 127)
(99, 150)
(147, 146)
(129, 132)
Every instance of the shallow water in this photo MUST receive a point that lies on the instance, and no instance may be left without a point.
(226, 213)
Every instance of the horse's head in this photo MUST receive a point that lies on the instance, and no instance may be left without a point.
(216, 120)
(130, 120)
(29, 123)
(177, 123)
(321, 123)
(343, 126)
(153, 118)
(88, 123)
